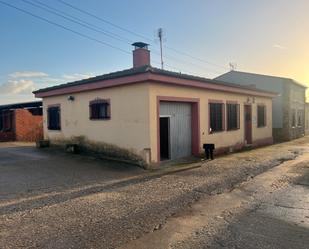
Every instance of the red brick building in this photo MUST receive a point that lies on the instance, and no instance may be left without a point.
(21, 122)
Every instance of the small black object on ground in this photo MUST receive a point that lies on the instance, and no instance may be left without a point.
(209, 150)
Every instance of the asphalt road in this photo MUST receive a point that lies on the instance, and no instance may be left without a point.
(54, 200)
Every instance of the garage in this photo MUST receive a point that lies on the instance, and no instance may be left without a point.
(175, 130)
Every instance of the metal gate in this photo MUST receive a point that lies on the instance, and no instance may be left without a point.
(180, 128)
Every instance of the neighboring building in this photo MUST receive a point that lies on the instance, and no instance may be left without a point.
(307, 118)
(288, 106)
(21, 122)
(158, 114)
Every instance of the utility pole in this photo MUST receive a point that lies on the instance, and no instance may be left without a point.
(160, 35)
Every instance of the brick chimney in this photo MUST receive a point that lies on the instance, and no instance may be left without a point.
(141, 54)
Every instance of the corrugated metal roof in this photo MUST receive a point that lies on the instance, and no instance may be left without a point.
(21, 105)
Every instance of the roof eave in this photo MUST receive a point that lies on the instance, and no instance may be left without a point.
(154, 77)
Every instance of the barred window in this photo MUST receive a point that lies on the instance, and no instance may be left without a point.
(261, 115)
(216, 117)
(232, 116)
(99, 109)
(53, 116)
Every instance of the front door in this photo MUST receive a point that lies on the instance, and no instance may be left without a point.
(248, 124)
(164, 138)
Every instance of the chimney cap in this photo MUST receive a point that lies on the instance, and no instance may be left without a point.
(140, 45)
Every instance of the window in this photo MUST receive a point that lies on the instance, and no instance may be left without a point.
(261, 115)
(99, 109)
(216, 117)
(53, 116)
(299, 117)
(293, 118)
(232, 116)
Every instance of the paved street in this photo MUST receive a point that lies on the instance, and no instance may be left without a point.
(55, 200)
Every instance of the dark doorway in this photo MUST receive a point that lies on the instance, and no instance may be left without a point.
(248, 124)
(164, 138)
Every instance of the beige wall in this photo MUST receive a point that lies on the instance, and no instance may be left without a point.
(127, 128)
(221, 139)
(133, 123)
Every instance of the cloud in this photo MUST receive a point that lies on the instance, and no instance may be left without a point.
(21, 86)
(28, 74)
(77, 76)
(278, 46)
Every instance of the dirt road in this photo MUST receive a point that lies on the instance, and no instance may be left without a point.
(270, 211)
(51, 200)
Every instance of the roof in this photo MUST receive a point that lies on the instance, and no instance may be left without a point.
(32, 104)
(146, 70)
(255, 75)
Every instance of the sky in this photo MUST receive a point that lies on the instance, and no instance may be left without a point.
(201, 37)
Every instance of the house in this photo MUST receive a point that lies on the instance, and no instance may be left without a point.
(288, 107)
(21, 122)
(157, 114)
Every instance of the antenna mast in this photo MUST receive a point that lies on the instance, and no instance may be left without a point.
(160, 35)
(233, 66)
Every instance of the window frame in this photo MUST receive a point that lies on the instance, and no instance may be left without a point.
(99, 101)
(265, 116)
(58, 128)
(210, 129)
(237, 115)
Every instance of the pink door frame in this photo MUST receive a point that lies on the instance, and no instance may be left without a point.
(195, 123)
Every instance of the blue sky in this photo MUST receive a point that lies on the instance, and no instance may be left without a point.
(269, 37)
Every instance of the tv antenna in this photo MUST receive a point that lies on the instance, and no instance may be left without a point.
(160, 36)
(233, 66)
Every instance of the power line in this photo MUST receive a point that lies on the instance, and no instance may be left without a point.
(79, 33)
(139, 35)
(154, 50)
(89, 26)
(196, 58)
(64, 27)
(79, 21)
(103, 20)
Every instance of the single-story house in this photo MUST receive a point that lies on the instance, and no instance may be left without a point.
(288, 106)
(21, 122)
(158, 114)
